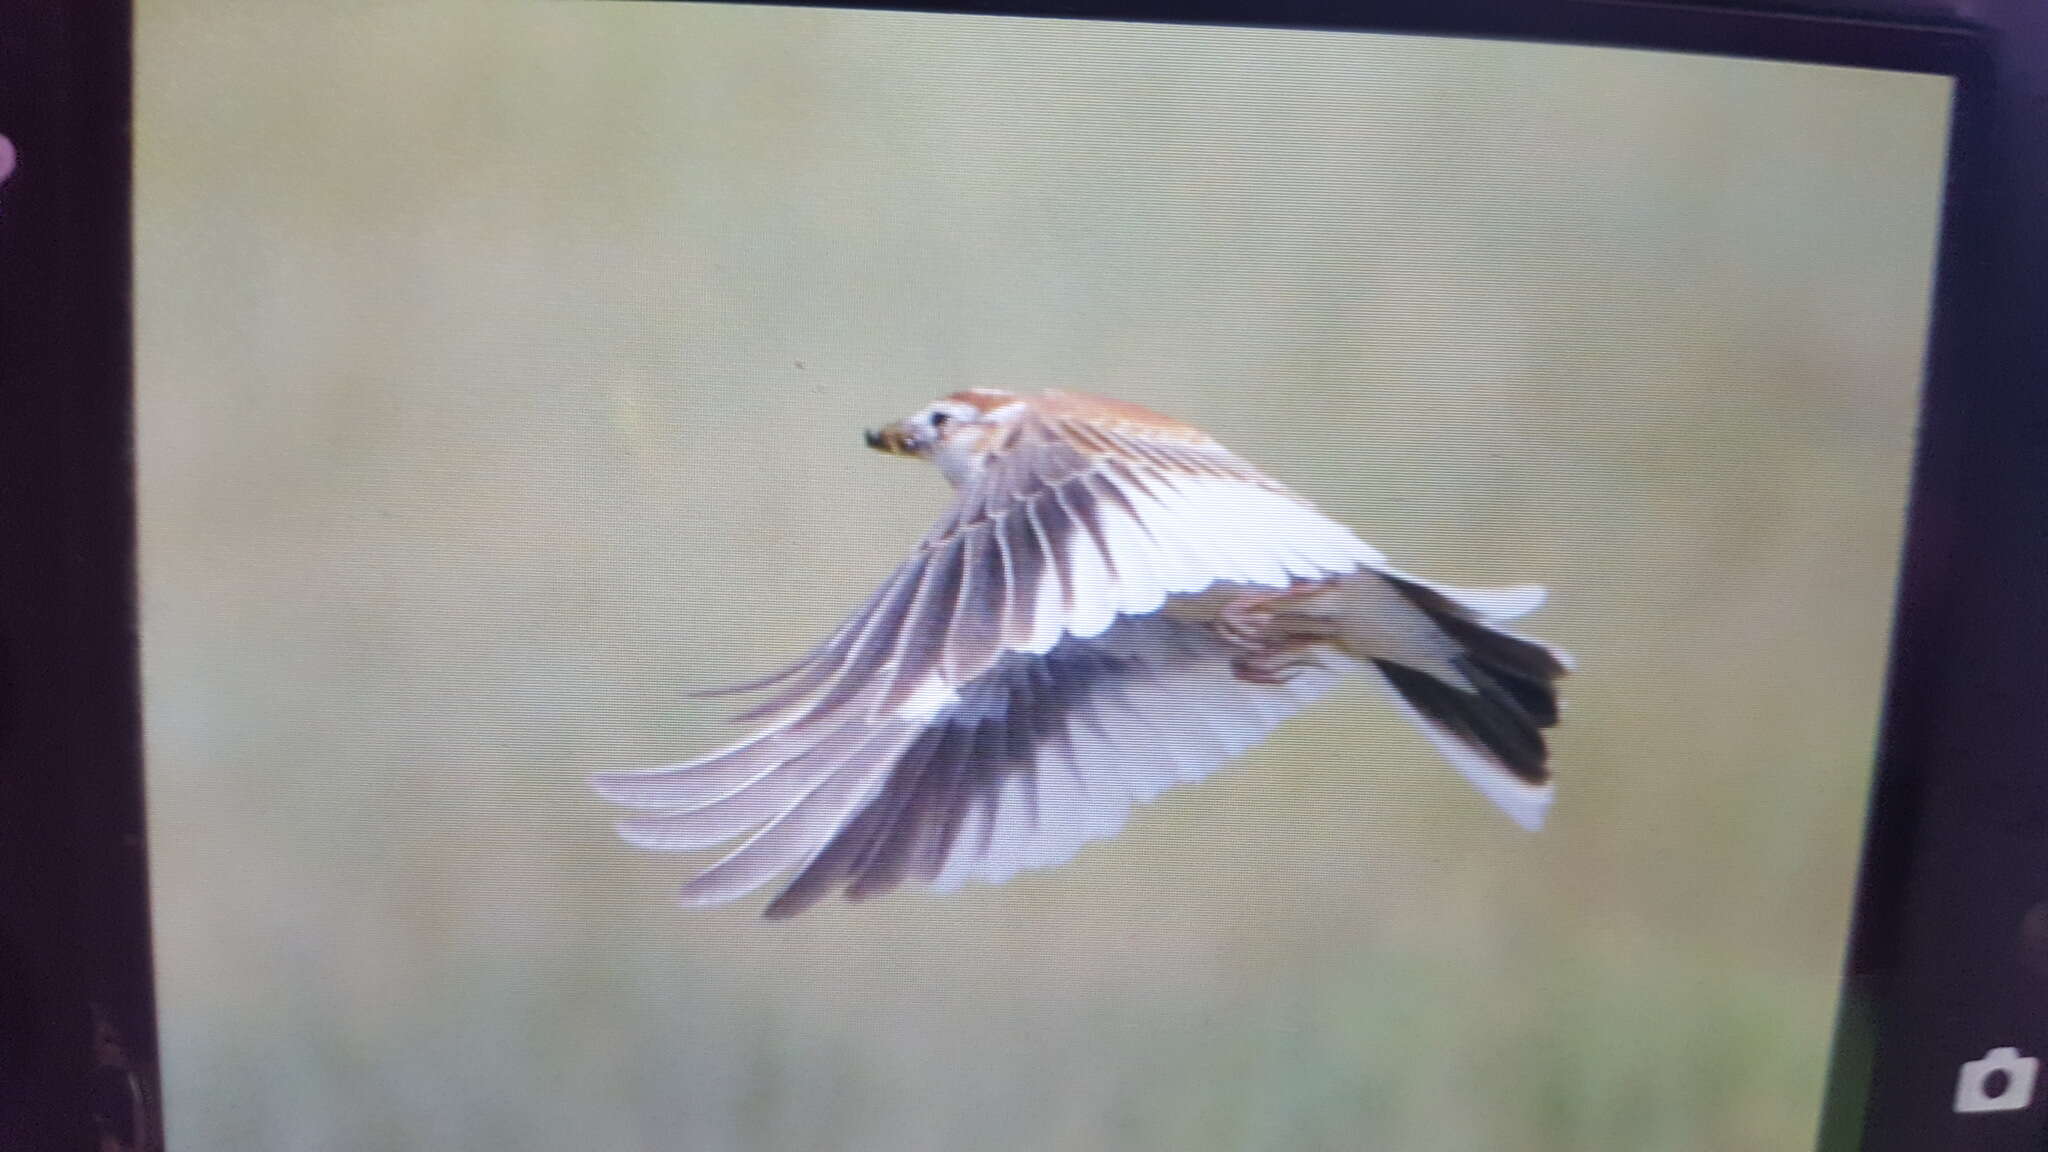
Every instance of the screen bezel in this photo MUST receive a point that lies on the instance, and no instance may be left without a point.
(1936, 966)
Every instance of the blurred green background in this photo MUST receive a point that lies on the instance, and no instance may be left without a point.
(501, 376)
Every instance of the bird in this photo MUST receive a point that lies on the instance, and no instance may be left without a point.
(1113, 604)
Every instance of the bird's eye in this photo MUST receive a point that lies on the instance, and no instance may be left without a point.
(939, 420)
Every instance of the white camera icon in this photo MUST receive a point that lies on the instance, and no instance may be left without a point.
(2003, 1081)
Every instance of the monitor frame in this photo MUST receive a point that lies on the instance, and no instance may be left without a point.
(1948, 952)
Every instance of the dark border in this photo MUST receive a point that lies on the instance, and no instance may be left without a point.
(1913, 38)
(77, 1013)
(1949, 953)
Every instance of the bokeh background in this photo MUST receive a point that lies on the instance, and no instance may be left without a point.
(501, 376)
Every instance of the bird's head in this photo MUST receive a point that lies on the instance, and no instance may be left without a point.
(958, 433)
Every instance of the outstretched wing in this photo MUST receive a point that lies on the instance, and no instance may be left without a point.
(1079, 520)
(1074, 522)
(1041, 755)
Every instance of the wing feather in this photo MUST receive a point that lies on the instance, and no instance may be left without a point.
(975, 639)
(1020, 578)
(868, 647)
(811, 820)
(886, 864)
(756, 800)
(1140, 587)
(1049, 614)
(1185, 534)
(707, 778)
(920, 642)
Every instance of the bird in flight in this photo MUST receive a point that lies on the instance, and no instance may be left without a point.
(1113, 604)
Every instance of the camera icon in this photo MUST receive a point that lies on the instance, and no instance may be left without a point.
(2003, 1081)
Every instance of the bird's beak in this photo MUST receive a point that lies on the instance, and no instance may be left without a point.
(895, 439)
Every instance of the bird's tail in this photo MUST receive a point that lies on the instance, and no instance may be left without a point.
(1483, 695)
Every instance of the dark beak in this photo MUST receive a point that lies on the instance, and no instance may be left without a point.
(895, 440)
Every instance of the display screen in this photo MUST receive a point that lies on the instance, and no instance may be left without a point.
(1331, 590)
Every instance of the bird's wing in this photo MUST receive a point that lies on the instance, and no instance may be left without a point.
(1078, 520)
(1041, 755)
(1075, 521)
